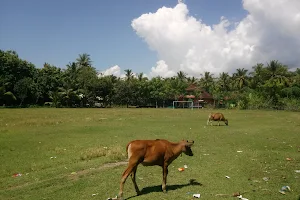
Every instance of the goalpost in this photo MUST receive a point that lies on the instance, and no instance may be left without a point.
(183, 104)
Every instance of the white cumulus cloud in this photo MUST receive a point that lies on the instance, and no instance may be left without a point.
(114, 70)
(270, 31)
(161, 69)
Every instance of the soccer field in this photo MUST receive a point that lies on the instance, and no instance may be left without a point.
(49, 153)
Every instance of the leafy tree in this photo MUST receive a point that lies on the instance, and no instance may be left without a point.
(22, 88)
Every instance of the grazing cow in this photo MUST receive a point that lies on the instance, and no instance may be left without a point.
(216, 117)
(152, 152)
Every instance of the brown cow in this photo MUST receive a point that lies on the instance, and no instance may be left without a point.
(216, 117)
(152, 152)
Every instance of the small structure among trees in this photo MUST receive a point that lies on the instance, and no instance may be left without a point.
(199, 96)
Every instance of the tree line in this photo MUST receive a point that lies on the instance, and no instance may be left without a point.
(270, 85)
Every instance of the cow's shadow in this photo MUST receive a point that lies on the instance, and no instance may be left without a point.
(157, 188)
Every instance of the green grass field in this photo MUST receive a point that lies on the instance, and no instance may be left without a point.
(66, 153)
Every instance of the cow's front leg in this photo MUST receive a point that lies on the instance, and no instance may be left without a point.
(165, 174)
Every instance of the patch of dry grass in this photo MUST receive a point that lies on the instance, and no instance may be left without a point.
(115, 153)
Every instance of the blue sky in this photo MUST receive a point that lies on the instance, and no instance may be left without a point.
(57, 31)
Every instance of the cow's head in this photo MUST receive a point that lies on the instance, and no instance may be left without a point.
(226, 122)
(187, 147)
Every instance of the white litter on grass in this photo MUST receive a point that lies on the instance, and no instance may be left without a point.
(239, 151)
(196, 195)
(94, 194)
(227, 176)
(265, 178)
(241, 197)
(52, 157)
(185, 166)
(297, 171)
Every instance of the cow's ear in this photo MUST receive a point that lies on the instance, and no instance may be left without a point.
(189, 144)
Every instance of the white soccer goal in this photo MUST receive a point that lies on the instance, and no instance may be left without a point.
(183, 104)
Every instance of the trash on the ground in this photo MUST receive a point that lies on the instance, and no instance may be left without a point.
(239, 151)
(289, 159)
(205, 154)
(185, 166)
(196, 195)
(94, 194)
(52, 157)
(284, 189)
(241, 197)
(265, 178)
(113, 198)
(227, 176)
(66, 168)
(181, 169)
(73, 173)
(16, 175)
(297, 171)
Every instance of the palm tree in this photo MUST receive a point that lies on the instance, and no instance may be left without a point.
(68, 95)
(277, 72)
(191, 80)
(277, 78)
(84, 60)
(224, 81)
(258, 74)
(71, 75)
(240, 78)
(181, 75)
(140, 76)
(128, 74)
(207, 81)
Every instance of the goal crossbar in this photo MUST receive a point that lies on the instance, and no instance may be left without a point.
(191, 104)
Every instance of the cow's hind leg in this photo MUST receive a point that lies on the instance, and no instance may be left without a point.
(133, 173)
(165, 174)
(126, 173)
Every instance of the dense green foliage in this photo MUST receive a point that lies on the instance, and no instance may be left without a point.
(79, 84)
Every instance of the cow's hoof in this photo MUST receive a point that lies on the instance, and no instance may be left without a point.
(164, 191)
(138, 193)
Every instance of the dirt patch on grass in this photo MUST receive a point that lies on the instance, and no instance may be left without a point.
(76, 175)
(72, 176)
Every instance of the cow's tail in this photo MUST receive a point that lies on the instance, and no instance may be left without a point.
(128, 150)
(208, 119)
